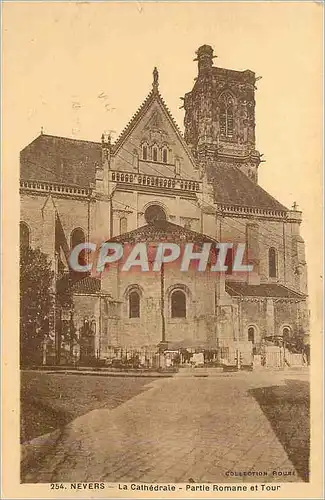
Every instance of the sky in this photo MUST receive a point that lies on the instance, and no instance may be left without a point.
(80, 69)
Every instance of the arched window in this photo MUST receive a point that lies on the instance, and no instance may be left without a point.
(144, 152)
(226, 119)
(134, 304)
(154, 213)
(286, 333)
(24, 235)
(178, 304)
(77, 237)
(165, 155)
(251, 334)
(123, 225)
(272, 263)
(155, 153)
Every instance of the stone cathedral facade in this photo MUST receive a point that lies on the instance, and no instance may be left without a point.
(155, 184)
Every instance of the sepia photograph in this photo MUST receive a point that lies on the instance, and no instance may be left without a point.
(163, 199)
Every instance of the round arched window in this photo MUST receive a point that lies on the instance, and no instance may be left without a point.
(144, 152)
(155, 213)
(251, 334)
(178, 304)
(165, 155)
(286, 332)
(134, 304)
(154, 153)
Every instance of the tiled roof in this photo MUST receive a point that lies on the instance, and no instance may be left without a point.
(162, 231)
(73, 162)
(237, 289)
(233, 187)
(88, 285)
(60, 159)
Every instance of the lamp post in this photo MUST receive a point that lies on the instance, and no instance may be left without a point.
(163, 345)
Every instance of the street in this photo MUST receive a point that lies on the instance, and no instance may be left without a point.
(237, 427)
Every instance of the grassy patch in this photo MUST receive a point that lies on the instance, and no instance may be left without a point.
(49, 401)
(288, 411)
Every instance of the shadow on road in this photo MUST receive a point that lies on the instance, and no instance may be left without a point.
(287, 408)
(50, 401)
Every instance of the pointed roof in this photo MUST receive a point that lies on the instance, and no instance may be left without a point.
(154, 95)
(238, 289)
(81, 285)
(232, 187)
(162, 230)
(87, 285)
(73, 162)
(61, 160)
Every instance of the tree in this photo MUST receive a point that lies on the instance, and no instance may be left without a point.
(66, 330)
(36, 299)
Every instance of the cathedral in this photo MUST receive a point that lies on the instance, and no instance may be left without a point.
(156, 184)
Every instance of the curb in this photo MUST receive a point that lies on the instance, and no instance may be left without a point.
(103, 373)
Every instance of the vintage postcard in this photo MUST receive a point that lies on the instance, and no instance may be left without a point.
(162, 250)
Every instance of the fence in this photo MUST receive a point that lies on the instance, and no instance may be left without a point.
(119, 357)
(150, 358)
(277, 357)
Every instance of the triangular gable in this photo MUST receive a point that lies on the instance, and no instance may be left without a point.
(153, 119)
(155, 122)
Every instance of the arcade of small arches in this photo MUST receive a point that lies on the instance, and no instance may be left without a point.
(155, 153)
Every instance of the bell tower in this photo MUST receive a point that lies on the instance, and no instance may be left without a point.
(220, 116)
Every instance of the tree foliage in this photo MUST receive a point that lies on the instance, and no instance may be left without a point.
(36, 299)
